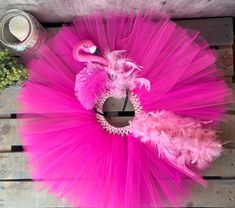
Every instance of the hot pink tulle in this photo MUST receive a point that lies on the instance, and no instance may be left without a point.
(67, 148)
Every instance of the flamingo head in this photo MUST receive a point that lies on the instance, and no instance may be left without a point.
(84, 47)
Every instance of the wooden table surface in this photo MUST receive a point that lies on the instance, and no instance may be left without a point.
(66, 10)
(18, 191)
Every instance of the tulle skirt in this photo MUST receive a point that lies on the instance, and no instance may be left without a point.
(69, 151)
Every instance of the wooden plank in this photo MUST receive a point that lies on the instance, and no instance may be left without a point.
(224, 166)
(228, 80)
(65, 11)
(225, 60)
(228, 130)
(220, 193)
(8, 102)
(15, 166)
(217, 31)
(8, 132)
(24, 195)
(232, 106)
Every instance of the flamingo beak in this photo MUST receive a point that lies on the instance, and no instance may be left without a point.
(97, 52)
(93, 49)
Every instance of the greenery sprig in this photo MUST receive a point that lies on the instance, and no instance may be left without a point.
(12, 73)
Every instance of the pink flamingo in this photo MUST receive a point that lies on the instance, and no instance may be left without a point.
(101, 74)
(82, 51)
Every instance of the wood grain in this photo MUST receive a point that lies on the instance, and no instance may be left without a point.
(8, 132)
(24, 195)
(220, 193)
(228, 80)
(225, 60)
(66, 10)
(224, 166)
(232, 106)
(14, 166)
(8, 102)
(228, 130)
(217, 31)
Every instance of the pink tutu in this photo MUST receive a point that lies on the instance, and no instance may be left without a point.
(71, 153)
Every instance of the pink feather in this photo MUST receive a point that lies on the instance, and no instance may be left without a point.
(181, 140)
(90, 85)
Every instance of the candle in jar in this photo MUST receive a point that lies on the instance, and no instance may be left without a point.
(19, 27)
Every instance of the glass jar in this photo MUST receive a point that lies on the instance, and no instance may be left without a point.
(35, 33)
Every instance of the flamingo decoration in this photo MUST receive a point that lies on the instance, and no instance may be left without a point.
(112, 72)
(82, 51)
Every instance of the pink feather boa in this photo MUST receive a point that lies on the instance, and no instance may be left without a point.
(181, 140)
